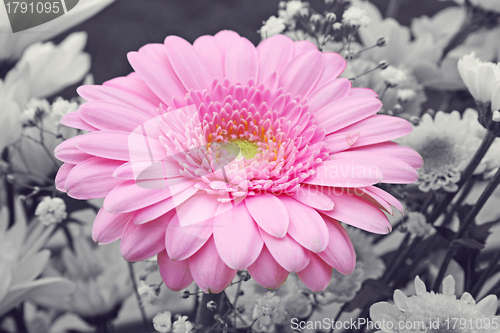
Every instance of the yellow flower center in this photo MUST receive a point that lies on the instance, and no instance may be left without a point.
(247, 148)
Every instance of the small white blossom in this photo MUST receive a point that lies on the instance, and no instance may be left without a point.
(405, 95)
(60, 107)
(162, 322)
(337, 26)
(273, 26)
(393, 76)
(356, 17)
(417, 225)
(496, 116)
(291, 11)
(147, 293)
(51, 210)
(34, 111)
(269, 310)
(182, 325)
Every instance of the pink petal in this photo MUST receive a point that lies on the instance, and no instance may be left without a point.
(210, 273)
(339, 253)
(140, 242)
(373, 199)
(116, 147)
(183, 242)
(69, 153)
(362, 92)
(334, 66)
(405, 154)
(117, 95)
(313, 196)
(241, 62)
(267, 272)
(133, 84)
(346, 111)
(287, 252)
(188, 65)
(92, 178)
(357, 212)
(109, 116)
(393, 169)
(386, 196)
(108, 227)
(303, 46)
(306, 227)
(175, 274)
(237, 237)
(128, 197)
(226, 38)
(301, 74)
(269, 213)
(61, 176)
(74, 120)
(328, 93)
(317, 275)
(274, 54)
(345, 173)
(210, 51)
(198, 208)
(165, 168)
(162, 81)
(375, 129)
(340, 142)
(156, 210)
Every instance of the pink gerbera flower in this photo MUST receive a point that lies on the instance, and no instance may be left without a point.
(220, 156)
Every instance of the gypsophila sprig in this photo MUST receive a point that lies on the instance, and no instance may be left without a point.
(162, 322)
(269, 310)
(51, 210)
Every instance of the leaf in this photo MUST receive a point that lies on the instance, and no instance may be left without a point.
(469, 243)
(446, 233)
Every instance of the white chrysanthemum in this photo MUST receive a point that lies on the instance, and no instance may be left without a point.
(273, 26)
(162, 322)
(269, 310)
(447, 143)
(356, 17)
(51, 210)
(481, 78)
(393, 76)
(34, 111)
(101, 276)
(431, 312)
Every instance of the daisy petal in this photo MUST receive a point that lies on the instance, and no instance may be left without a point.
(175, 274)
(182, 242)
(317, 275)
(267, 272)
(287, 252)
(269, 213)
(108, 227)
(210, 273)
(237, 237)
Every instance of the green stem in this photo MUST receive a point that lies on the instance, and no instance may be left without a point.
(465, 226)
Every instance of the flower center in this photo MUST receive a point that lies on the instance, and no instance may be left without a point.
(247, 148)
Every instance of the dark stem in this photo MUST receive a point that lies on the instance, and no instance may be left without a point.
(204, 316)
(465, 226)
(136, 292)
(102, 328)
(464, 176)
